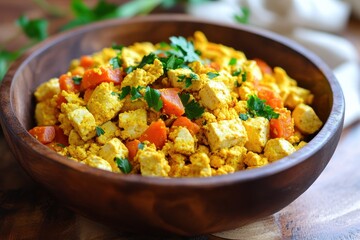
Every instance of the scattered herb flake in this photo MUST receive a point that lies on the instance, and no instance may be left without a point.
(99, 131)
(212, 75)
(243, 76)
(123, 164)
(232, 61)
(258, 108)
(236, 73)
(77, 80)
(152, 97)
(183, 49)
(141, 146)
(117, 46)
(135, 94)
(193, 110)
(244, 116)
(115, 62)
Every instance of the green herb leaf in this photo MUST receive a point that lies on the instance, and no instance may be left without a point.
(152, 97)
(236, 73)
(212, 75)
(258, 108)
(148, 59)
(99, 131)
(244, 16)
(183, 49)
(34, 29)
(172, 62)
(117, 46)
(232, 61)
(188, 80)
(244, 116)
(123, 164)
(6, 58)
(193, 110)
(115, 62)
(124, 92)
(244, 76)
(135, 94)
(77, 80)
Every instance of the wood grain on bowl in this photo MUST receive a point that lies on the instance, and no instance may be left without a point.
(160, 205)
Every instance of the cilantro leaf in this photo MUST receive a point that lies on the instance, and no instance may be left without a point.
(172, 62)
(188, 80)
(152, 97)
(193, 110)
(148, 59)
(115, 62)
(183, 49)
(77, 80)
(134, 92)
(124, 92)
(34, 29)
(258, 108)
(123, 164)
(212, 75)
(99, 131)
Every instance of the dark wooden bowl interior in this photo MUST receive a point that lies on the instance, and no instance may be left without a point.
(183, 206)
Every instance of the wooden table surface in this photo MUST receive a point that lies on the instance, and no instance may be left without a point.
(329, 209)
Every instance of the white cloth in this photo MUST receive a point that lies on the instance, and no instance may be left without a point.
(309, 23)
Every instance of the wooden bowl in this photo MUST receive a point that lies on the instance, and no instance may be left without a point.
(188, 206)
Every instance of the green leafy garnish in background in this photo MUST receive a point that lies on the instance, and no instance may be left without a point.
(243, 16)
(34, 29)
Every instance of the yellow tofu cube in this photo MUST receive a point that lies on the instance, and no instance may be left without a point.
(177, 78)
(110, 131)
(258, 132)
(45, 113)
(305, 119)
(214, 95)
(152, 162)
(112, 149)
(83, 122)
(226, 134)
(132, 123)
(98, 162)
(184, 142)
(47, 90)
(278, 148)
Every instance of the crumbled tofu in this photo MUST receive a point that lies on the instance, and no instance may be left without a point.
(278, 148)
(103, 104)
(75, 139)
(305, 119)
(130, 57)
(214, 95)
(130, 105)
(177, 163)
(77, 152)
(133, 123)
(226, 169)
(255, 160)
(142, 48)
(83, 122)
(152, 162)
(226, 133)
(47, 90)
(112, 149)
(200, 165)
(184, 142)
(98, 162)
(178, 78)
(110, 131)
(258, 132)
(46, 114)
(144, 76)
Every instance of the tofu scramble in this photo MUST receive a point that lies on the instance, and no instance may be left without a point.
(186, 108)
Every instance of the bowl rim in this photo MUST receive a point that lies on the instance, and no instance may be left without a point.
(332, 124)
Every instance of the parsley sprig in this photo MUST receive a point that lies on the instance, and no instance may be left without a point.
(188, 80)
(258, 108)
(123, 164)
(99, 131)
(193, 110)
(152, 97)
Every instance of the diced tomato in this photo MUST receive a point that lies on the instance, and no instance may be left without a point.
(94, 76)
(171, 101)
(67, 83)
(86, 62)
(156, 133)
(44, 134)
(271, 97)
(283, 126)
(264, 67)
(60, 137)
(60, 100)
(87, 94)
(133, 147)
(186, 122)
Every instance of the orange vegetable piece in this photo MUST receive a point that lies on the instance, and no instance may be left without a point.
(60, 100)
(271, 98)
(94, 76)
(44, 134)
(60, 137)
(67, 83)
(186, 122)
(264, 67)
(156, 133)
(86, 62)
(133, 147)
(171, 101)
(283, 126)
(87, 94)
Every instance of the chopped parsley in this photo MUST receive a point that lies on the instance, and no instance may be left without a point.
(232, 61)
(117, 46)
(115, 62)
(172, 62)
(77, 80)
(148, 59)
(193, 110)
(99, 131)
(258, 108)
(123, 164)
(134, 92)
(188, 80)
(183, 49)
(152, 97)
(141, 146)
(212, 75)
